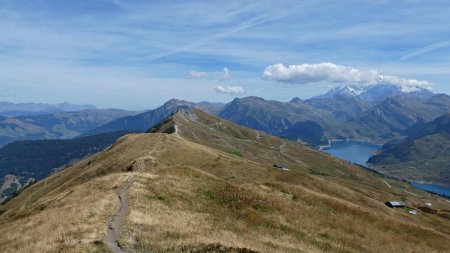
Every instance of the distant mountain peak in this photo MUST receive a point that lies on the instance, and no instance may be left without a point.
(246, 100)
(353, 90)
(177, 102)
(377, 92)
(295, 100)
(349, 90)
(142, 122)
(168, 124)
(254, 98)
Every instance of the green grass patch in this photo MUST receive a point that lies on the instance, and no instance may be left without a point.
(316, 172)
(235, 152)
(260, 205)
(300, 236)
(162, 198)
(208, 194)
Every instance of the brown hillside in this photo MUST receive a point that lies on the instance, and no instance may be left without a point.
(202, 184)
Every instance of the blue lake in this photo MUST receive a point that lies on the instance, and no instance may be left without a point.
(433, 188)
(352, 151)
(360, 152)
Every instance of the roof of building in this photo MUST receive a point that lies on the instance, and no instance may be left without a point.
(280, 165)
(395, 203)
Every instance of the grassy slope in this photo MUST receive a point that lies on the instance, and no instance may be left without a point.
(424, 159)
(191, 195)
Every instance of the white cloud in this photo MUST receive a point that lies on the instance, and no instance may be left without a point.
(229, 89)
(311, 73)
(407, 85)
(124, 41)
(338, 74)
(194, 74)
(223, 75)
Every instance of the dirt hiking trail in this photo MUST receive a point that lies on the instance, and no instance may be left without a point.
(116, 220)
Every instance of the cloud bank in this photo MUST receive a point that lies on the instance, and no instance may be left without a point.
(232, 90)
(333, 73)
(223, 75)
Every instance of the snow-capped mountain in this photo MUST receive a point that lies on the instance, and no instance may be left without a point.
(351, 90)
(378, 92)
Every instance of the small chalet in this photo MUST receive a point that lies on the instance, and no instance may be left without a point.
(279, 166)
(395, 204)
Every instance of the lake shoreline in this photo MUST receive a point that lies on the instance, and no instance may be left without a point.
(433, 189)
(422, 182)
(369, 141)
(351, 150)
(359, 152)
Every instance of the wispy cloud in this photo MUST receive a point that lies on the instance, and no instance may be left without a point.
(144, 40)
(425, 50)
(223, 75)
(232, 90)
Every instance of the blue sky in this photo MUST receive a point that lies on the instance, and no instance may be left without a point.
(138, 54)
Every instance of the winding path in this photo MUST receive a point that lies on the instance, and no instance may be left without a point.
(280, 151)
(116, 220)
(176, 130)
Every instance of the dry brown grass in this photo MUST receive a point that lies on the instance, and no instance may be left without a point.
(183, 210)
(68, 221)
(190, 195)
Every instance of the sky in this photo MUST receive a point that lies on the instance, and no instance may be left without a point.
(139, 54)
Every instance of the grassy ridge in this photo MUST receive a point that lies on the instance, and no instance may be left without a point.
(190, 195)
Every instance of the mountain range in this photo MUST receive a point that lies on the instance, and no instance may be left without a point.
(376, 93)
(61, 125)
(271, 116)
(378, 112)
(9, 109)
(143, 121)
(342, 113)
(395, 115)
(424, 156)
(198, 183)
